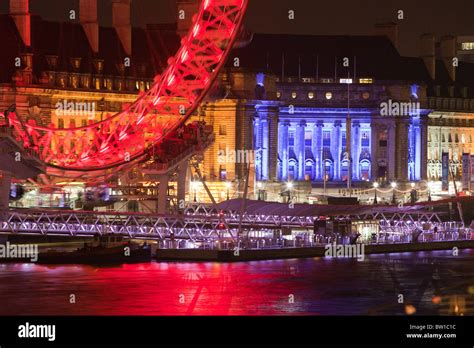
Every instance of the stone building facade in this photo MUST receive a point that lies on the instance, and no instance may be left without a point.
(291, 106)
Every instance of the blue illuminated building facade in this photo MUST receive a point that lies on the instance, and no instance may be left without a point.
(312, 142)
(307, 89)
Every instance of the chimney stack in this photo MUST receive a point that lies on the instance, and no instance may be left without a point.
(428, 53)
(121, 23)
(448, 53)
(19, 11)
(90, 25)
(389, 30)
(186, 10)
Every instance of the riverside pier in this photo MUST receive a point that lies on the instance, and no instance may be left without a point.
(264, 231)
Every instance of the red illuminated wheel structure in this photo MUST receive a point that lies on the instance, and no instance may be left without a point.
(125, 137)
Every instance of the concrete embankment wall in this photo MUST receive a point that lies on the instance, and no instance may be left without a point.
(286, 253)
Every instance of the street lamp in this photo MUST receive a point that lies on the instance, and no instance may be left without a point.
(394, 186)
(260, 191)
(413, 195)
(289, 186)
(228, 185)
(430, 187)
(376, 185)
(194, 188)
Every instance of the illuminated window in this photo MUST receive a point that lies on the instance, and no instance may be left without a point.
(328, 95)
(345, 80)
(278, 95)
(366, 95)
(311, 95)
(467, 46)
(308, 139)
(365, 139)
(326, 138)
(293, 95)
(326, 80)
(222, 129)
(383, 139)
(366, 80)
(222, 173)
(291, 138)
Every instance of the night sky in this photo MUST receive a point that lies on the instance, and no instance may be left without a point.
(323, 17)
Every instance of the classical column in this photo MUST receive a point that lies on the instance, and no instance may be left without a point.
(355, 150)
(264, 149)
(417, 152)
(299, 148)
(273, 142)
(424, 147)
(257, 146)
(317, 148)
(283, 149)
(401, 150)
(391, 156)
(336, 149)
(374, 146)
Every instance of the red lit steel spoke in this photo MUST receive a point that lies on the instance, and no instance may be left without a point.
(173, 97)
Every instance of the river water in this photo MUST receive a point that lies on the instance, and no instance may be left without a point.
(426, 282)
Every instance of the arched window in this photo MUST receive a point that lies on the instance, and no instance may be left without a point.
(328, 170)
(309, 171)
(344, 169)
(364, 170)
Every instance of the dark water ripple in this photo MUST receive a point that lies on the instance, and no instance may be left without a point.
(431, 282)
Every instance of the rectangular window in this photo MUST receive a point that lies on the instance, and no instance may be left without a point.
(383, 139)
(467, 46)
(343, 139)
(365, 139)
(366, 80)
(347, 81)
(291, 139)
(308, 138)
(222, 173)
(326, 138)
(222, 129)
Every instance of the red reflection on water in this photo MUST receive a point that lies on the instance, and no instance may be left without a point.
(152, 289)
(318, 286)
